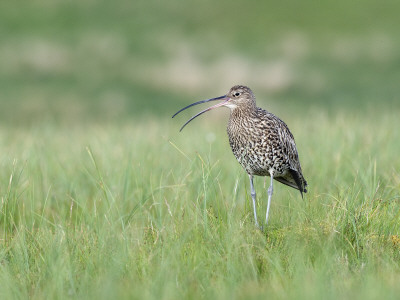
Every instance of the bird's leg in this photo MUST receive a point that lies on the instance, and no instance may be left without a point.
(270, 190)
(253, 196)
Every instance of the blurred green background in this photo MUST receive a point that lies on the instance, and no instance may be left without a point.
(106, 61)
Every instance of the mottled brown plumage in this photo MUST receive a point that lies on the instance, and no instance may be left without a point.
(260, 141)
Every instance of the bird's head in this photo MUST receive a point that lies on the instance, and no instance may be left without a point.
(239, 96)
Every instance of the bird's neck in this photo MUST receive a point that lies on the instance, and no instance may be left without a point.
(243, 111)
(240, 121)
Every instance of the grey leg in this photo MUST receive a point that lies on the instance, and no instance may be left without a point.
(253, 196)
(270, 190)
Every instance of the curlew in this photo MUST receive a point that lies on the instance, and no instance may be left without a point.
(261, 142)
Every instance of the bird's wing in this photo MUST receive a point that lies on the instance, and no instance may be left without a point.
(292, 156)
(288, 147)
(288, 143)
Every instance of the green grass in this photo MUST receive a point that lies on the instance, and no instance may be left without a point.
(68, 60)
(138, 210)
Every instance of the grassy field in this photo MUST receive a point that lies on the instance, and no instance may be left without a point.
(102, 197)
(140, 211)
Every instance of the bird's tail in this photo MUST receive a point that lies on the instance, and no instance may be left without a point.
(294, 180)
(300, 181)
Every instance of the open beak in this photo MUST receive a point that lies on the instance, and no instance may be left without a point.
(207, 109)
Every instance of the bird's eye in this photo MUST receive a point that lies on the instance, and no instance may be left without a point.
(237, 94)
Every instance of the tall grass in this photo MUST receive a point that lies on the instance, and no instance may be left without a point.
(137, 210)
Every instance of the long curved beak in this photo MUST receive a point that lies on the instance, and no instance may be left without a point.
(224, 97)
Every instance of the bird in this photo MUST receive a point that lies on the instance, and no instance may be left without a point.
(261, 142)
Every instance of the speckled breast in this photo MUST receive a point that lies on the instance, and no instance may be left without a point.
(257, 157)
